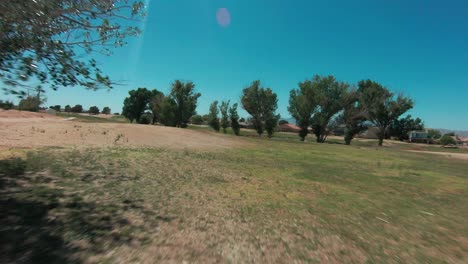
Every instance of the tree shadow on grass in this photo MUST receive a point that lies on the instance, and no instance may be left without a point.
(43, 223)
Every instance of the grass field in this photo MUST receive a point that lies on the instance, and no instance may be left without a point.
(273, 201)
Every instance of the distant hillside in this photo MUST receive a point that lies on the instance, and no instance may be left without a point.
(458, 133)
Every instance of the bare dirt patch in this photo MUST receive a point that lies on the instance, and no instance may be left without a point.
(28, 130)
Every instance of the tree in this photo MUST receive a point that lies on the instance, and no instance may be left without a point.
(353, 117)
(68, 108)
(146, 118)
(434, 134)
(55, 107)
(261, 104)
(447, 139)
(185, 99)
(77, 109)
(283, 122)
(234, 116)
(6, 105)
(382, 106)
(93, 110)
(155, 104)
(44, 40)
(106, 110)
(242, 119)
(213, 119)
(167, 115)
(330, 96)
(136, 104)
(302, 105)
(197, 120)
(224, 109)
(400, 128)
(30, 103)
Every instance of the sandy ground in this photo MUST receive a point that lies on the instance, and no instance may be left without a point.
(29, 130)
(446, 154)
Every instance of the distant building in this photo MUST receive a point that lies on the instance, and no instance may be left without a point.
(419, 136)
(288, 128)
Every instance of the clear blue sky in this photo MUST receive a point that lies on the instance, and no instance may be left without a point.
(419, 47)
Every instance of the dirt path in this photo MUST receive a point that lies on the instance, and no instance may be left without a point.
(446, 154)
(28, 130)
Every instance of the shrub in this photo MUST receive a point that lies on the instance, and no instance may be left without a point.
(29, 103)
(106, 110)
(197, 120)
(93, 110)
(77, 109)
(447, 139)
(7, 105)
(146, 119)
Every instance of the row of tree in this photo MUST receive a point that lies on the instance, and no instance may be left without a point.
(229, 117)
(94, 110)
(150, 106)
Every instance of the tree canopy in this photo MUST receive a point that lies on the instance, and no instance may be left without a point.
(45, 40)
(303, 105)
(136, 104)
(382, 106)
(224, 110)
(213, 119)
(261, 103)
(185, 99)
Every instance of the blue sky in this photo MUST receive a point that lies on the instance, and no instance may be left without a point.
(419, 47)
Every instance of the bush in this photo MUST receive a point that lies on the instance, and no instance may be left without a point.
(7, 105)
(106, 110)
(197, 120)
(447, 139)
(283, 122)
(77, 109)
(116, 114)
(29, 103)
(55, 107)
(146, 119)
(94, 110)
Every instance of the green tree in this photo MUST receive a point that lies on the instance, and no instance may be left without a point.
(167, 114)
(136, 104)
(93, 110)
(353, 117)
(6, 105)
(234, 116)
(44, 40)
(68, 108)
(447, 139)
(400, 128)
(30, 103)
(382, 106)
(106, 110)
(213, 119)
(155, 104)
(224, 109)
(330, 96)
(146, 118)
(77, 109)
(302, 105)
(261, 103)
(55, 107)
(196, 120)
(185, 99)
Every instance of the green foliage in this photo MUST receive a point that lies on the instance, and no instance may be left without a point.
(106, 110)
(185, 99)
(330, 96)
(55, 107)
(44, 40)
(136, 104)
(77, 109)
(6, 105)
(382, 106)
(155, 105)
(68, 109)
(434, 134)
(30, 103)
(242, 119)
(224, 109)
(167, 114)
(197, 120)
(353, 116)
(93, 110)
(234, 116)
(261, 103)
(447, 139)
(213, 119)
(146, 119)
(283, 122)
(400, 128)
(302, 105)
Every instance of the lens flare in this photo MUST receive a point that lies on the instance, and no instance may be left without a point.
(223, 17)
